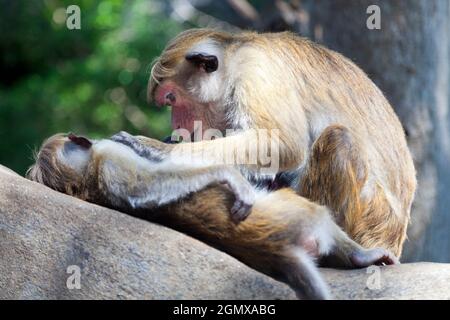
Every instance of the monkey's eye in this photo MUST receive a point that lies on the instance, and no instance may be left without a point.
(209, 63)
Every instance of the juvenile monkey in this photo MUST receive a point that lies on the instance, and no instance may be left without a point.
(281, 237)
(339, 139)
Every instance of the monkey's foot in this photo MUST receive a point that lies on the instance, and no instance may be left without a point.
(377, 256)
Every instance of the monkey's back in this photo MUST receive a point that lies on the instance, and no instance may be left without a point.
(331, 89)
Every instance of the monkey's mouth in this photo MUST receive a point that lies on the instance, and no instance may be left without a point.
(166, 93)
(183, 107)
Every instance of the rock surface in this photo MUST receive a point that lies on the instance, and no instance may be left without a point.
(43, 233)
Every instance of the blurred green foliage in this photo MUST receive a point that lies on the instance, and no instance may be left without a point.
(90, 81)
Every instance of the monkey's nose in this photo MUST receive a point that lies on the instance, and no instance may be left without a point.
(170, 98)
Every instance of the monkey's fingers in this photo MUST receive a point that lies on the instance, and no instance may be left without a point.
(123, 136)
(169, 140)
(240, 211)
(143, 150)
(377, 256)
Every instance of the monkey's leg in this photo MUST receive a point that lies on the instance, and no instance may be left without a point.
(346, 253)
(268, 240)
(335, 175)
(319, 234)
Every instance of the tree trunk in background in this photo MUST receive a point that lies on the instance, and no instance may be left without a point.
(409, 60)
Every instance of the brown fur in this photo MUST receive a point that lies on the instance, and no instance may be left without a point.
(259, 241)
(280, 223)
(281, 81)
(337, 172)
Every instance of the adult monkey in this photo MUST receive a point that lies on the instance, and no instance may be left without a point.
(338, 135)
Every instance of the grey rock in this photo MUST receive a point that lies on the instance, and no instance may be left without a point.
(43, 233)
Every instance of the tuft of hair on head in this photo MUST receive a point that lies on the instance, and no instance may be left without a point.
(165, 66)
(49, 170)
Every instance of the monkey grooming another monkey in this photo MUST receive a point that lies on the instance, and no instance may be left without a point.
(281, 237)
(339, 138)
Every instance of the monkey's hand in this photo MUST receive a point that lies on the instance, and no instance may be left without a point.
(378, 256)
(148, 148)
(243, 191)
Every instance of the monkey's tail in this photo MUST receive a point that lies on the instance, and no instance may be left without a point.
(304, 278)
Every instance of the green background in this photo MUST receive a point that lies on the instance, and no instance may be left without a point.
(90, 81)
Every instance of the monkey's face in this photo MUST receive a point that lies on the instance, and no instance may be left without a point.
(61, 163)
(190, 77)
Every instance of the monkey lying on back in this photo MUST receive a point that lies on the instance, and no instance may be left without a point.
(281, 237)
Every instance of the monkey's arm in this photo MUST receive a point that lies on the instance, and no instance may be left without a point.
(251, 149)
(145, 183)
(169, 187)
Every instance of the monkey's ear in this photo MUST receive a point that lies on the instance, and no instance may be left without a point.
(209, 63)
(80, 141)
